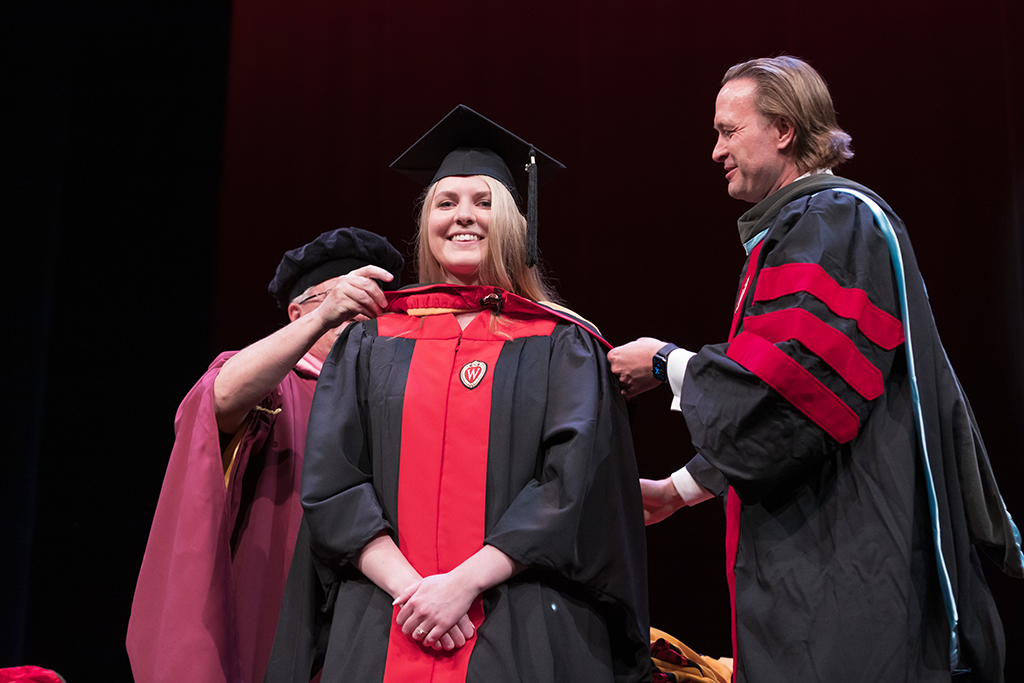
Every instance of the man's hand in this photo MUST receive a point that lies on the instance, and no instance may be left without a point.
(661, 499)
(632, 364)
(354, 294)
(255, 371)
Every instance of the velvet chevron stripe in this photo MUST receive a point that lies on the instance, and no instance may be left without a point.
(877, 325)
(823, 340)
(796, 384)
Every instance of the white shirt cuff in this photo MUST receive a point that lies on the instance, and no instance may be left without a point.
(676, 369)
(688, 488)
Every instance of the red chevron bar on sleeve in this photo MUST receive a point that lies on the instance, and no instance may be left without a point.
(877, 325)
(823, 340)
(796, 384)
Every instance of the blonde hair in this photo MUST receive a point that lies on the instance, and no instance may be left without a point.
(504, 263)
(791, 88)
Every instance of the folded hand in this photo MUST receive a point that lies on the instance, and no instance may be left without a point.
(435, 611)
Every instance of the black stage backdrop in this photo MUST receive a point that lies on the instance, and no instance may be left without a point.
(160, 157)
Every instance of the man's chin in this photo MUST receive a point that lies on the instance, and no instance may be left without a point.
(745, 195)
(737, 192)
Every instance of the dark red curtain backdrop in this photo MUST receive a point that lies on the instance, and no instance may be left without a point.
(639, 231)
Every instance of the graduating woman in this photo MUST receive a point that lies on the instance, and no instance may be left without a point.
(469, 484)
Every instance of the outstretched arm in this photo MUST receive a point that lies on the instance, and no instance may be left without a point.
(661, 499)
(255, 371)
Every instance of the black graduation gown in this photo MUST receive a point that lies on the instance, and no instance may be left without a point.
(516, 419)
(807, 413)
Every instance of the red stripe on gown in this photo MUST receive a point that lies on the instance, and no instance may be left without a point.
(733, 505)
(733, 508)
(442, 482)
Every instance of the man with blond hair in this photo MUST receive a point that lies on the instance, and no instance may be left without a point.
(855, 481)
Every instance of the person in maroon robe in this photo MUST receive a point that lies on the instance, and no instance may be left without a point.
(211, 581)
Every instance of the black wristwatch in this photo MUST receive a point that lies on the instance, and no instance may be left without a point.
(660, 362)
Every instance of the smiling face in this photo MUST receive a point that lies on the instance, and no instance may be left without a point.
(457, 227)
(755, 152)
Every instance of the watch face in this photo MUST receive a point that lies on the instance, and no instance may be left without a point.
(660, 368)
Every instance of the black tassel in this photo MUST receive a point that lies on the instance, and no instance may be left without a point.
(531, 213)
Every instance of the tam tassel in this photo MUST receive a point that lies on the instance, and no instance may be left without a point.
(531, 212)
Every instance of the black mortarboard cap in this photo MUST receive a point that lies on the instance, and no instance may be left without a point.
(333, 253)
(466, 143)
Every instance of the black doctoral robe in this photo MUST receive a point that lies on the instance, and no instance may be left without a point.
(808, 414)
(509, 433)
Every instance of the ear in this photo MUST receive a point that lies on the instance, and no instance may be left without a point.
(294, 312)
(786, 131)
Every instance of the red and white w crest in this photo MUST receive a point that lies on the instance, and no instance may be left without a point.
(472, 373)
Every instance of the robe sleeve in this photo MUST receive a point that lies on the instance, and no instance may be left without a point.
(819, 333)
(706, 475)
(182, 624)
(338, 498)
(582, 516)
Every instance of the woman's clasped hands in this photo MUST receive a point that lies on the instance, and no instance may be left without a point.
(435, 611)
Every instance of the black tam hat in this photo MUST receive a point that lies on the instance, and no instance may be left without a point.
(332, 254)
(466, 143)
